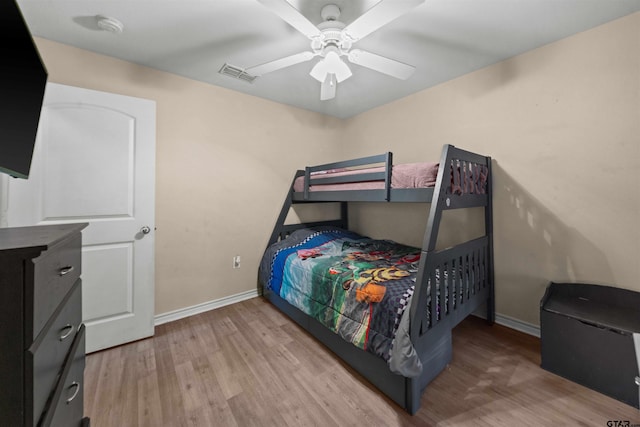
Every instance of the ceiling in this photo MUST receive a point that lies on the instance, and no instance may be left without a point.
(443, 39)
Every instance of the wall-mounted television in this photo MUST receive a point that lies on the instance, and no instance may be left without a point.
(23, 78)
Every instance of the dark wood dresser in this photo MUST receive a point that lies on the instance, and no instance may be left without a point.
(41, 333)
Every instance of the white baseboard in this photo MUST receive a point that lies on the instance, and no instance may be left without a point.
(518, 325)
(181, 313)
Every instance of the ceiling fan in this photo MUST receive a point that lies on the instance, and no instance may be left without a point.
(332, 40)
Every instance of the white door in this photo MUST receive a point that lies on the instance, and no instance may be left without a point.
(94, 162)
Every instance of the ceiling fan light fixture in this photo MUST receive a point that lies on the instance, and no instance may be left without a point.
(336, 66)
(331, 64)
(319, 71)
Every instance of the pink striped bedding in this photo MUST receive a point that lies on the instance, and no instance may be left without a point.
(407, 175)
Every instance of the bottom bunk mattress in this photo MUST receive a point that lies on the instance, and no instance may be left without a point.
(357, 287)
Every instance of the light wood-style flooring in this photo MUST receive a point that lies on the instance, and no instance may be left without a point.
(249, 365)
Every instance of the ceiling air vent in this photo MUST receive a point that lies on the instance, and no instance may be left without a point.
(236, 72)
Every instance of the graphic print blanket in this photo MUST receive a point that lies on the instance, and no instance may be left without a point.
(356, 286)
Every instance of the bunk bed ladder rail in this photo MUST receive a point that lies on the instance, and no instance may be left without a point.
(282, 231)
(464, 270)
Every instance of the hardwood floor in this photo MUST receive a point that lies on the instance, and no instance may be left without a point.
(249, 365)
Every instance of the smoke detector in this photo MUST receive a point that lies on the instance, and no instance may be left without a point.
(109, 24)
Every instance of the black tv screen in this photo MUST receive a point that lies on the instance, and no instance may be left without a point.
(23, 78)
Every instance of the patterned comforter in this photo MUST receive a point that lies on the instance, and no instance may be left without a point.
(356, 286)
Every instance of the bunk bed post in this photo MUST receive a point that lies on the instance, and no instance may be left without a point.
(488, 230)
(388, 167)
(344, 214)
(435, 213)
(429, 244)
(307, 180)
(413, 395)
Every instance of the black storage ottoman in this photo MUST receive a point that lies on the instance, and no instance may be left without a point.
(587, 336)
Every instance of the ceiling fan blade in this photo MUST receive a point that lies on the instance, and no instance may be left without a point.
(292, 16)
(328, 87)
(278, 64)
(387, 66)
(379, 15)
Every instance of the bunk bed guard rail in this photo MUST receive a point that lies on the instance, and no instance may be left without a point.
(365, 176)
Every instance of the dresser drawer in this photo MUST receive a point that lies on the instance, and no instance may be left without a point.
(55, 271)
(46, 356)
(65, 409)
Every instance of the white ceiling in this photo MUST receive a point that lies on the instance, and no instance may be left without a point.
(443, 39)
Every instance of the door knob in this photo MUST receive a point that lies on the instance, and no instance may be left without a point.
(145, 230)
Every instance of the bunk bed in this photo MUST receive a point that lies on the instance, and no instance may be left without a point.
(441, 286)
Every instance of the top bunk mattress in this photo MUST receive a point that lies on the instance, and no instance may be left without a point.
(407, 175)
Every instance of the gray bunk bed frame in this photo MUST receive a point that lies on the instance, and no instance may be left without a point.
(469, 267)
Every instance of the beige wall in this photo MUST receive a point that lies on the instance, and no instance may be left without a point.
(562, 123)
(224, 163)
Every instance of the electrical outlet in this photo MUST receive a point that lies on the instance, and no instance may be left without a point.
(236, 261)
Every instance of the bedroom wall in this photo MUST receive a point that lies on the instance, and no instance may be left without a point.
(224, 163)
(562, 125)
(559, 121)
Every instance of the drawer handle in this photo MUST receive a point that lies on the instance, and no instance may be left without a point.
(75, 393)
(65, 336)
(66, 270)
